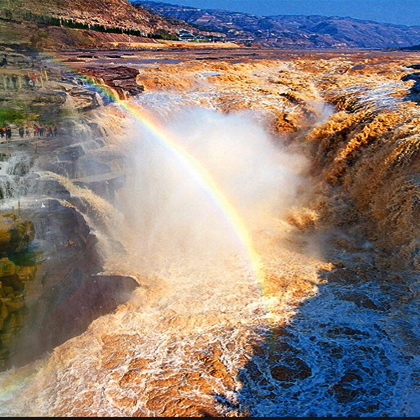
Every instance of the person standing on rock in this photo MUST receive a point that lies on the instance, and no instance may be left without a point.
(27, 80)
(33, 78)
(8, 133)
(27, 131)
(55, 131)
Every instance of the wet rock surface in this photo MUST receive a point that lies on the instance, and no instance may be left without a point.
(12, 304)
(56, 286)
(15, 234)
(50, 290)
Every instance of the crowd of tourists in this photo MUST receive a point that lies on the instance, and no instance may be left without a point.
(38, 131)
(6, 131)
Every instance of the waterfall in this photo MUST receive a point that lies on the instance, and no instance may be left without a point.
(99, 99)
(69, 104)
(199, 294)
(270, 285)
(16, 180)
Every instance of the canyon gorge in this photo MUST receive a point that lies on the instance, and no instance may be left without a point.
(216, 232)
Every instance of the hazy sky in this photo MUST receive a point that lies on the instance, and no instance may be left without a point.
(403, 12)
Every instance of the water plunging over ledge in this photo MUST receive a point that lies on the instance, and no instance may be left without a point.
(236, 311)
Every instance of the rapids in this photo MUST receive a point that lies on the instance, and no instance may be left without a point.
(262, 290)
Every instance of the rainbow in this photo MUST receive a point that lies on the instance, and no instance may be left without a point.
(203, 178)
(194, 168)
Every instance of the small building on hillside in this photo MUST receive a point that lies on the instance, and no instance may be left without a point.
(185, 35)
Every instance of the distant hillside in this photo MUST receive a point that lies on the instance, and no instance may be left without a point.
(105, 12)
(78, 23)
(291, 31)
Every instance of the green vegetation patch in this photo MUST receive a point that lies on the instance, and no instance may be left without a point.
(72, 24)
(15, 116)
(11, 116)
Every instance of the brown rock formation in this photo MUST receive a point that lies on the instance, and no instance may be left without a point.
(120, 79)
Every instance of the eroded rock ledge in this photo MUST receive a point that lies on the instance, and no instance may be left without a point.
(121, 79)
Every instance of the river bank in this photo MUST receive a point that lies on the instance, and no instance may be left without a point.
(53, 290)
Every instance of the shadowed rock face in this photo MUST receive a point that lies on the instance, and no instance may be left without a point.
(66, 294)
(415, 89)
(16, 235)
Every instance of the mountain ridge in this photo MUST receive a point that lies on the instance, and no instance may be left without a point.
(291, 31)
